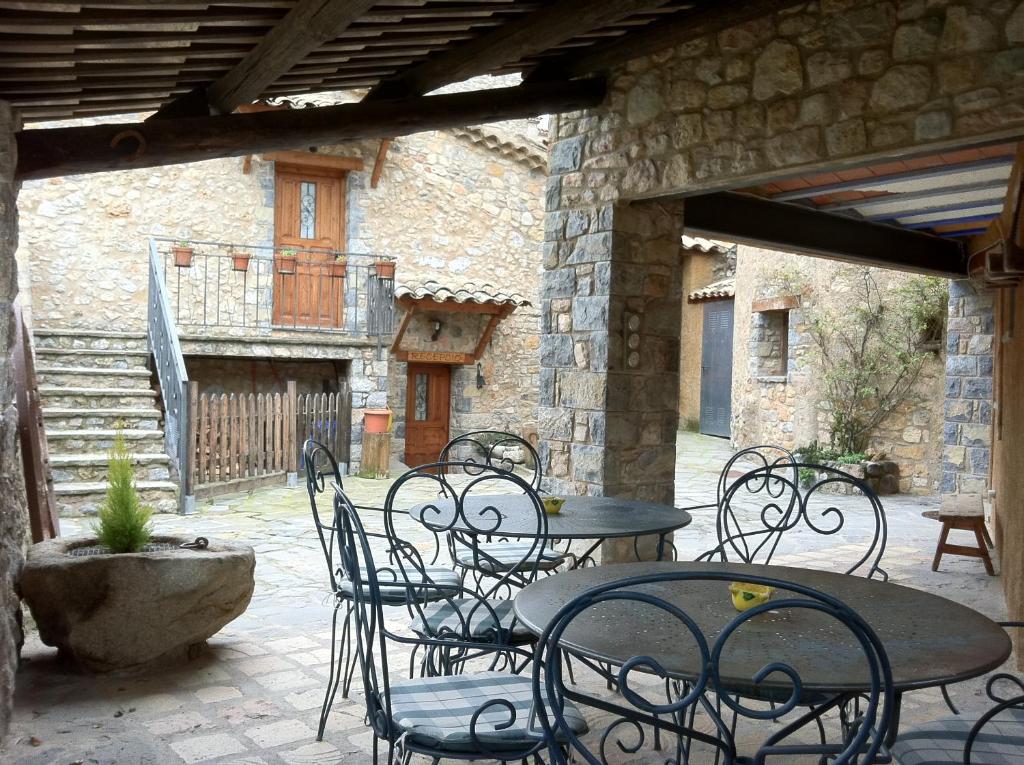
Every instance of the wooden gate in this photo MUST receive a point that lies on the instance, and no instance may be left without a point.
(243, 441)
(35, 456)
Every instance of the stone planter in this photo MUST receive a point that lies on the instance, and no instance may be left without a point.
(882, 477)
(107, 612)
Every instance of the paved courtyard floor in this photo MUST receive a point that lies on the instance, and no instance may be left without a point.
(254, 696)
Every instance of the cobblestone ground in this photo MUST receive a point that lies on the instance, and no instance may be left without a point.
(255, 696)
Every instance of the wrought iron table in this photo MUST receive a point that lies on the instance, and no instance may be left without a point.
(930, 641)
(581, 518)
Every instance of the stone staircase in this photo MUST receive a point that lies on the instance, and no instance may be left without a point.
(90, 382)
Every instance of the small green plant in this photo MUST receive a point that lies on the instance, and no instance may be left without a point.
(123, 524)
(807, 476)
(288, 253)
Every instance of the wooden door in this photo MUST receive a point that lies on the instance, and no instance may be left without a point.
(426, 412)
(309, 218)
(716, 369)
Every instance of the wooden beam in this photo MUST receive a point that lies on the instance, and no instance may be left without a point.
(315, 159)
(512, 41)
(795, 228)
(47, 153)
(409, 311)
(680, 28)
(307, 26)
(485, 337)
(378, 164)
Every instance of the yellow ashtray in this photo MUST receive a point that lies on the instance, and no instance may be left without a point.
(553, 505)
(745, 596)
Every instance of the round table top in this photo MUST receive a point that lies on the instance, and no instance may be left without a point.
(929, 640)
(581, 517)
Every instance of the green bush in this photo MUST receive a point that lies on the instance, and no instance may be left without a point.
(123, 524)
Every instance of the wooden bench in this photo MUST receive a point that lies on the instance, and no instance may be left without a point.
(962, 512)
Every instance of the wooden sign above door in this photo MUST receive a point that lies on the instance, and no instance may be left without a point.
(435, 357)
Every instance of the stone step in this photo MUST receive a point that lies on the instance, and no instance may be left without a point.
(97, 398)
(87, 357)
(85, 498)
(68, 418)
(82, 440)
(92, 467)
(93, 377)
(87, 338)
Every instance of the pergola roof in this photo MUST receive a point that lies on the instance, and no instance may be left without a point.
(951, 194)
(61, 60)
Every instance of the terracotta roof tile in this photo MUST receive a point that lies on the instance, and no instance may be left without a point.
(724, 288)
(468, 293)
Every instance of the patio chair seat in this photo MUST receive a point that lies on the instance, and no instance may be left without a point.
(435, 712)
(439, 581)
(451, 616)
(499, 557)
(941, 742)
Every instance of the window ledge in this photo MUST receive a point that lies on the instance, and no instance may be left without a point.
(772, 378)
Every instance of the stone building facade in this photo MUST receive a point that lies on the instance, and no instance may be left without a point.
(457, 206)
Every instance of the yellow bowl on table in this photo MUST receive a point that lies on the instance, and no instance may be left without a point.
(746, 596)
(553, 505)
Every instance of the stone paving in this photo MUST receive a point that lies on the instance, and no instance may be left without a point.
(254, 696)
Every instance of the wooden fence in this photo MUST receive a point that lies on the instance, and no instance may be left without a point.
(242, 441)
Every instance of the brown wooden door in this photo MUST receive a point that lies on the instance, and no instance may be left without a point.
(309, 217)
(426, 412)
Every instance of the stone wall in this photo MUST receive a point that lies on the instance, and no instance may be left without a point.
(967, 432)
(785, 407)
(13, 518)
(824, 85)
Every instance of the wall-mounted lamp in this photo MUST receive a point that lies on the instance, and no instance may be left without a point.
(437, 331)
(480, 381)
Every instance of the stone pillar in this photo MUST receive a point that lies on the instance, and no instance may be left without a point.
(13, 517)
(967, 426)
(611, 305)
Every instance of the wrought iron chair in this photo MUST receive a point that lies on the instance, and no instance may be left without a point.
(506, 452)
(465, 514)
(472, 716)
(765, 505)
(321, 467)
(994, 738)
(656, 711)
(745, 460)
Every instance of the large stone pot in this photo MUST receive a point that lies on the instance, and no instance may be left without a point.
(109, 612)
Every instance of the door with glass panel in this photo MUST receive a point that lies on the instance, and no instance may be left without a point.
(426, 412)
(309, 219)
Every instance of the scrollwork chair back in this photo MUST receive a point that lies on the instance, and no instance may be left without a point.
(494, 449)
(768, 511)
(655, 713)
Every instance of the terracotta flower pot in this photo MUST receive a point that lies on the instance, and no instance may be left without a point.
(182, 256)
(385, 269)
(339, 269)
(376, 420)
(286, 264)
(240, 261)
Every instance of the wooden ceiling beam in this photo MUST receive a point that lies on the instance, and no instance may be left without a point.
(510, 42)
(47, 153)
(674, 30)
(307, 26)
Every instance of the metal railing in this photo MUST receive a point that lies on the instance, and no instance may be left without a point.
(233, 287)
(170, 368)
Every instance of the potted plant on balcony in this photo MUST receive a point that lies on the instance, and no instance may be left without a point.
(385, 266)
(286, 261)
(123, 597)
(182, 252)
(240, 260)
(339, 267)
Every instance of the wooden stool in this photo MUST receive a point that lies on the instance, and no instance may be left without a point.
(963, 512)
